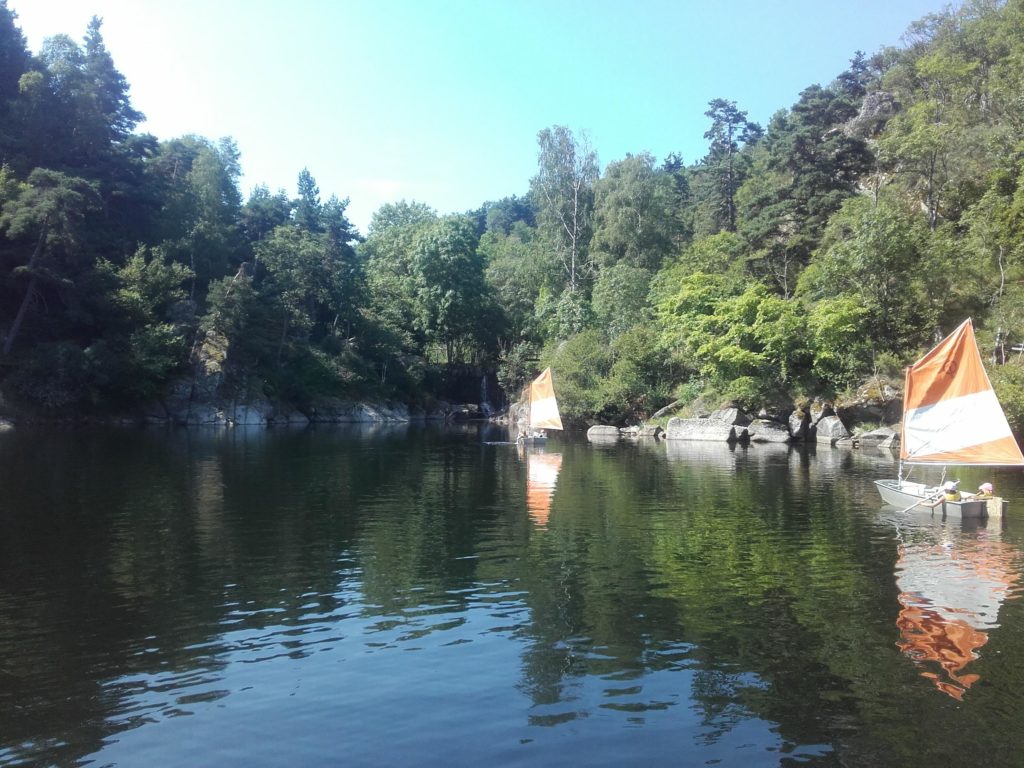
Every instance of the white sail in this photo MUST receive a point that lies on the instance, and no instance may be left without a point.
(543, 405)
(950, 412)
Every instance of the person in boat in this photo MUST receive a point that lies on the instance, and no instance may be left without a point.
(950, 491)
(985, 491)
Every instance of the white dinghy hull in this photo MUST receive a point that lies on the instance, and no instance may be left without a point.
(912, 495)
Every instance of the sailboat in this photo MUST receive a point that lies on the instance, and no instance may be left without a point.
(542, 410)
(951, 416)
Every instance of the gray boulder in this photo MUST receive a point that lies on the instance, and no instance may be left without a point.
(734, 416)
(701, 429)
(768, 431)
(821, 409)
(799, 423)
(883, 437)
(830, 429)
(602, 433)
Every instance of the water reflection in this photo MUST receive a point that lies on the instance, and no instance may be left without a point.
(542, 470)
(952, 581)
(201, 597)
(717, 454)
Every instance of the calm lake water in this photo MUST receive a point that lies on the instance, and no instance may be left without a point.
(418, 596)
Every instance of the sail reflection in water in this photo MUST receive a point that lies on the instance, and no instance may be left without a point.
(950, 595)
(541, 477)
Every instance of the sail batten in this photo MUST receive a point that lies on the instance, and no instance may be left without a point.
(951, 414)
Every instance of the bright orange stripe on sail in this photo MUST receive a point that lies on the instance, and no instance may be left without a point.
(952, 369)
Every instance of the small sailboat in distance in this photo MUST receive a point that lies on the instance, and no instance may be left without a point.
(951, 417)
(542, 410)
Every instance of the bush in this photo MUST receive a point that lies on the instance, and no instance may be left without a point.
(1008, 382)
(581, 363)
(55, 378)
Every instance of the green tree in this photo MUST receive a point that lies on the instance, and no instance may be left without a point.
(620, 298)
(682, 199)
(15, 60)
(76, 108)
(142, 344)
(724, 254)
(878, 253)
(724, 167)
(518, 268)
(502, 216)
(108, 98)
(303, 281)
(840, 348)
(263, 212)
(387, 255)
(750, 345)
(198, 224)
(453, 297)
(805, 168)
(583, 362)
(308, 210)
(634, 219)
(563, 194)
(45, 219)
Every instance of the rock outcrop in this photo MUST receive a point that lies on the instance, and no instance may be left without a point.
(732, 415)
(877, 108)
(799, 424)
(830, 429)
(875, 402)
(703, 429)
(603, 433)
(768, 431)
(883, 437)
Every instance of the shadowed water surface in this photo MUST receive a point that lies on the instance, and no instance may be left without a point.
(421, 596)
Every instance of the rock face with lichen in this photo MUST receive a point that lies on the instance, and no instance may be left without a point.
(877, 108)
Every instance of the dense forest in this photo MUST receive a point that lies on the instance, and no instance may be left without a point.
(793, 260)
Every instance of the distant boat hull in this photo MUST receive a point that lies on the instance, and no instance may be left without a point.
(908, 494)
(532, 439)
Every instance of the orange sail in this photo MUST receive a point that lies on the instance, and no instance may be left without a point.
(543, 405)
(950, 412)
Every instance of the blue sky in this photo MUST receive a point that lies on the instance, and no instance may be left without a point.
(440, 101)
